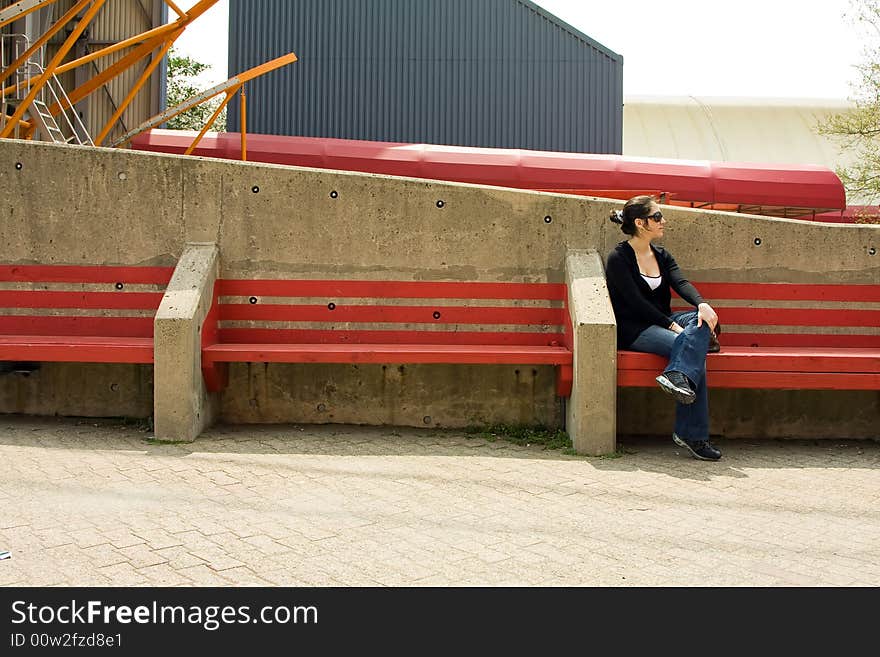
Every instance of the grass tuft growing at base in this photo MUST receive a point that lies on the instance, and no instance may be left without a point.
(524, 435)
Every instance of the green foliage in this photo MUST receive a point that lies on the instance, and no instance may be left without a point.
(858, 130)
(182, 84)
(525, 435)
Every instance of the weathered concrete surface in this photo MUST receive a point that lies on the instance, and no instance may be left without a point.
(720, 246)
(80, 390)
(183, 405)
(69, 205)
(403, 395)
(87, 505)
(591, 421)
(820, 414)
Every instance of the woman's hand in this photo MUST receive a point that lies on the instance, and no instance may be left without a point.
(705, 313)
(676, 328)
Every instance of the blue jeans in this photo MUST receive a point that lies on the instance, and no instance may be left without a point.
(687, 354)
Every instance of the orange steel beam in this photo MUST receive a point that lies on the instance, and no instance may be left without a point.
(108, 74)
(154, 36)
(44, 38)
(156, 32)
(21, 9)
(229, 95)
(187, 18)
(138, 53)
(232, 83)
(145, 76)
(175, 8)
(51, 66)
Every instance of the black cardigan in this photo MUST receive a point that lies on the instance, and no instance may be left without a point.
(636, 306)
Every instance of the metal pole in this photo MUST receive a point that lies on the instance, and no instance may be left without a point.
(192, 147)
(243, 125)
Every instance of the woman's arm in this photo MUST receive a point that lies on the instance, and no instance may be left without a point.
(680, 284)
(686, 290)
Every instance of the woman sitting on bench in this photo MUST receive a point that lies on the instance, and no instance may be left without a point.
(640, 276)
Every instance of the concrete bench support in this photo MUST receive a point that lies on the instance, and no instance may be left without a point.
(592, 409)
(182, 405)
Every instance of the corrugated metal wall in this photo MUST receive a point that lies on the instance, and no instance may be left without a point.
(117, 20)
(489, 73)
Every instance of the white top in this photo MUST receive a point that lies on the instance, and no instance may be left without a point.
(652, 281)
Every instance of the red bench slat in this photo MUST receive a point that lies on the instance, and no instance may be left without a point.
(796, 316)
(134, 327)
(847, 340)
(769, 359)
(392, 314)
(85, 274)
(317, 336)
(789, 292)
(84, 300)
(390, 289)
(76, 349)
(386, 353)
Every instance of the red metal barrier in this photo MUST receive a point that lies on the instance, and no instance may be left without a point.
(773, 189)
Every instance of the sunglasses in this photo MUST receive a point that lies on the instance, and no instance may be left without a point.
(657, 216)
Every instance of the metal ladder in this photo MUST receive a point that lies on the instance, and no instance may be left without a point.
(11, 48)
(48, 126)
(53, 92)
(46, 123)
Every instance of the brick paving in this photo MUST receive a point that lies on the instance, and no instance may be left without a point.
(88, 503)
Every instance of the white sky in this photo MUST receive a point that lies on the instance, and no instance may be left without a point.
(742, 48)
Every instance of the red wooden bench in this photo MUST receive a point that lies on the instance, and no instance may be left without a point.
(783, 336)
(399, 322)
(84, 314)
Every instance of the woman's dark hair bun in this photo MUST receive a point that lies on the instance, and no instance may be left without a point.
(616, 217)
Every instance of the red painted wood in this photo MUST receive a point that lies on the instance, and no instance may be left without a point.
(564, 380)
(849, 340)
(85, 300)
(386, 353)
(390, 289)
(789, 292)
(392, 314)
(797, 316)
(86, 274)
(61, 348)
(135, 327)
(766, 380)
(210, 327)
(773, 359)
(216, 376)
(295, 336)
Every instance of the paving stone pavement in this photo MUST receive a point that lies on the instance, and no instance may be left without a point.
(91, 503)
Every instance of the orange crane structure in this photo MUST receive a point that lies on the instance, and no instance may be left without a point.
(33, 99)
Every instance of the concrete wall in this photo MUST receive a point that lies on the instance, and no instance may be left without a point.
(67, 205)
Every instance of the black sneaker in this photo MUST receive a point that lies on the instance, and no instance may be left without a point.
(677, 385)
(699, 449)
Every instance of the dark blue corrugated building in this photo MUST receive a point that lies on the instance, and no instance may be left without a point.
(489, 73)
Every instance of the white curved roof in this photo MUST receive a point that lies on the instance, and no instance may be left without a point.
(771, 130)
